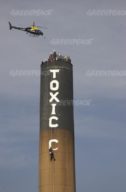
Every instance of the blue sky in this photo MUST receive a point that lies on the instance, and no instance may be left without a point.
(100, 131)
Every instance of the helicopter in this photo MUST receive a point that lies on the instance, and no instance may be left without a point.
(33, 29)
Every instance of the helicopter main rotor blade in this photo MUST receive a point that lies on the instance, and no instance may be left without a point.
(42, 27)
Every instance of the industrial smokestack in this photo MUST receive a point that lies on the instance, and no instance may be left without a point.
(56, 146)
